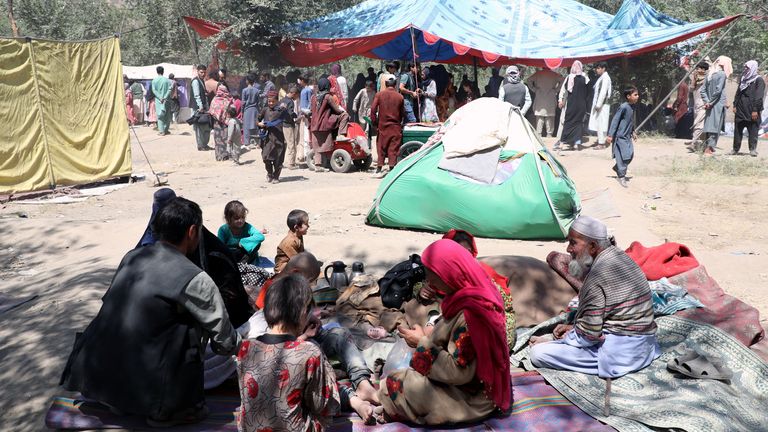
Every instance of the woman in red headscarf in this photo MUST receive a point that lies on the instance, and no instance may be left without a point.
(460, 371)
(467, 240)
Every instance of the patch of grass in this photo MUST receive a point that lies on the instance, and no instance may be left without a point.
(709, 169)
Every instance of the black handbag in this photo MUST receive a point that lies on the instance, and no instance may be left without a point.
(200, 118)
(397, 284)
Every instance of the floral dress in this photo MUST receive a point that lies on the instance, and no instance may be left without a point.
(285, 385)
(440, 387)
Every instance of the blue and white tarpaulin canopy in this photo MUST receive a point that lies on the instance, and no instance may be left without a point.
(532, 32)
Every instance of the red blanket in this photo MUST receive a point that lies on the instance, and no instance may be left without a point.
(665, 260)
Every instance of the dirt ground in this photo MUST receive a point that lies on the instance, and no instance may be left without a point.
(67, 253)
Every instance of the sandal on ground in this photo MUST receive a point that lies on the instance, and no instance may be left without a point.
(694, 365)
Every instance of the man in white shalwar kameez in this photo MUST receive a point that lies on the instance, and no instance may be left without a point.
(599, 116)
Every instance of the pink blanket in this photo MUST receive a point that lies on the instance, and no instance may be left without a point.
(723, 311)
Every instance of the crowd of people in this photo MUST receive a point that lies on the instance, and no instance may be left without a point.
(188, 310)
(296, 116)
(156, 105)
(702, 100)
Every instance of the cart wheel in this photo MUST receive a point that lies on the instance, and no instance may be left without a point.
(341, 161)
(363, 164)
(408, 148)
(310, 159)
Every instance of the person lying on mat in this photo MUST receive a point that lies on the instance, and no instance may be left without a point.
(286, 383)
(142, 354)
(336, 341)
(614, 332)
(460, 370)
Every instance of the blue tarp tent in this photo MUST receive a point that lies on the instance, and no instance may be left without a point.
(531, 32)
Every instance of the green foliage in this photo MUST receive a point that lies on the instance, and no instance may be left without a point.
(64, 19)
(260, 24)
(152, 31)
(157, 33)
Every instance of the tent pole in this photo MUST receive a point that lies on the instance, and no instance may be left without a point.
(192, 42)
(693, 69)
(474, 65)
(415, 64)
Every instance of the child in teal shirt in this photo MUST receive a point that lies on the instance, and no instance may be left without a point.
(242, 239)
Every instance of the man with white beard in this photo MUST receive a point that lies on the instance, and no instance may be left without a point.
(613, 331)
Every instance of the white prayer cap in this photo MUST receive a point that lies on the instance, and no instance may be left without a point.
(590, 227)
(512, 70)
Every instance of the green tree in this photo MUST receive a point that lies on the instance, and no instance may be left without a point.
(261, 24)
(64, 19)
(157, 33)
(152, 31)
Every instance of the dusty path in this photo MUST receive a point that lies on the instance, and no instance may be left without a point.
(67, 253)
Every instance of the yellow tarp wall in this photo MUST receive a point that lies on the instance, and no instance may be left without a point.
(62, 114)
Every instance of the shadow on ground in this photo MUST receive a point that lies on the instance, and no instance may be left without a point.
(32, 354)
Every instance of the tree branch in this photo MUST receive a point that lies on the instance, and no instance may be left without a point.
(14, 27)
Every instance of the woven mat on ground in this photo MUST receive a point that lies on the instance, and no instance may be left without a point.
(76, 414)
(537, 407)
(657, 398)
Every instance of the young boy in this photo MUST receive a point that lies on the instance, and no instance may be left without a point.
(293, 243)
(290, 129)
(271, 119)
(621, 133)
(234, 135)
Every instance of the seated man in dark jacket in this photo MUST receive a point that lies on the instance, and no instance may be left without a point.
(143, 353)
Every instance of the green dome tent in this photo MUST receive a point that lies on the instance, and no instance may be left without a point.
(485, 171)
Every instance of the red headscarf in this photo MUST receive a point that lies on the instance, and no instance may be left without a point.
(490, 271)
(483, 309)
(220, 104)
(336, 90)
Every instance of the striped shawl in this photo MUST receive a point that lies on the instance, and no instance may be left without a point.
(615, 298)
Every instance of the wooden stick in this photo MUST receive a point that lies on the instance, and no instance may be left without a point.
(607, 406)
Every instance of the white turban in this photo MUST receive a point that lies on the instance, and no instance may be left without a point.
(590, 227)
(513, 74)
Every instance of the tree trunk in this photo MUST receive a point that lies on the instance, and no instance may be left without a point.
(14, 27)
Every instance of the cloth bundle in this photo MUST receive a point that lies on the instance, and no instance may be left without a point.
(361, 303)
(664, 260)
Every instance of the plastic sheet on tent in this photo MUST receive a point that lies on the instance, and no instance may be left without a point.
(535, 200)
(63, 114)
(534, 32)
